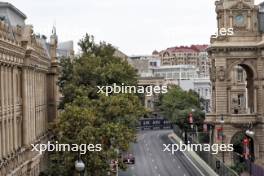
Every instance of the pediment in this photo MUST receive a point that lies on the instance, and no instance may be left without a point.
(240, 6)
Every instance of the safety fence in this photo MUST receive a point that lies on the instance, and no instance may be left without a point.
(216, 164)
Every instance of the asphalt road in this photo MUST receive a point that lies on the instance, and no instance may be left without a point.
(151, 160)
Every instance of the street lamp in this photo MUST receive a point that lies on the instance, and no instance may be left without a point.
(250, 133)
(117, 151)
(222, 121)
(196, 127)
(112, 142)
(191, 118)
(191, 125)
(80, 166)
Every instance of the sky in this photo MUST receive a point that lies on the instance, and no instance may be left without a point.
(135, 27)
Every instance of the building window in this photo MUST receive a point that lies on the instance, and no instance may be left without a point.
(206, 92)
(153, 64)
(240, 99)
(240, 75)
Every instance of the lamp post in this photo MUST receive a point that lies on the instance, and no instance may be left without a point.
(112, 143)
(117, 151)
(222, 121)
(191, 125)
(191, 122)
(250, 133)
(80, 166)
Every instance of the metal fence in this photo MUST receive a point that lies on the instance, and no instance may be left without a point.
(217, 165)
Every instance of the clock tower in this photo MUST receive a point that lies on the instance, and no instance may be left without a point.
(241, 15)
(237, 77)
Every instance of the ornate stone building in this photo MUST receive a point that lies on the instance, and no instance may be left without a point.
(195, 55)
(243, 51)
(28, 92)
(150, 101)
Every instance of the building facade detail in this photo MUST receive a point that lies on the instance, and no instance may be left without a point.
(28, 95)
(237, 75)
(194, 55)
(151, 70)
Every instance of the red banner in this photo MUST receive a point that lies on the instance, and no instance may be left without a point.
(246, 152)
(220, 134)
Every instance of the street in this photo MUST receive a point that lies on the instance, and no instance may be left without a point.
(152, 161)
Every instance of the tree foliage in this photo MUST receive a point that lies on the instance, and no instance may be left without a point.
(97, 66)
(90, 118)
(177, 104)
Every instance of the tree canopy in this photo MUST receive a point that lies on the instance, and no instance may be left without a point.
(90, 118)
(177, 104)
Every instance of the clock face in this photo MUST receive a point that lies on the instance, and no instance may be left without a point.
(239, 20)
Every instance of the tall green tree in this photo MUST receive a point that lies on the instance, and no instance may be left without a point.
(90, 118)
(97, 66)
(177, 104)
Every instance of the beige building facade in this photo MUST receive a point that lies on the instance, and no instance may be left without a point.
(240, 103)
(194, 55)
(150, 101)
(28, 92)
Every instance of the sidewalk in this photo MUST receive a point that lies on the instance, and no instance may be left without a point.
(201, 164)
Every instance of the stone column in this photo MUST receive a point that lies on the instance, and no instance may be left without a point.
(229, 100)
(25, 106)
(260, 93)
(1, 115)
(15, 95)
(34, 103)
(6, 109)
(52, 79)
(11, 109)
(260, 98)
(53, 93)
(255, 100)
(1, 140)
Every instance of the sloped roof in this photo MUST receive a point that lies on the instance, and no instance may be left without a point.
(200, 48)
(187, 49)
(10, 6)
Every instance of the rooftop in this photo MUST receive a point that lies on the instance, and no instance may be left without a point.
(191, 49)
(10, 6)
